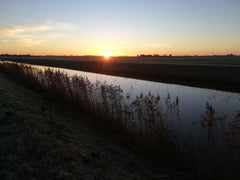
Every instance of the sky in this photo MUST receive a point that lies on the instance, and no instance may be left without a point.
(120, 27)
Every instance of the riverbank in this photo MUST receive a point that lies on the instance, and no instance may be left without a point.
(213, 72)
(99, 107)
(38, 141)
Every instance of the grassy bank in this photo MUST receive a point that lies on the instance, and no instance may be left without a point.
(215, 72)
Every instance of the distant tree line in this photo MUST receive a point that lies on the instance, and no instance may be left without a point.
(154, 55)
(170, 55)
(15, 55)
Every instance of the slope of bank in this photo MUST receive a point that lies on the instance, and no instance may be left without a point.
(222, 73)
(38, 141)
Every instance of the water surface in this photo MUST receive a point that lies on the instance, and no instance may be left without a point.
(192, 100)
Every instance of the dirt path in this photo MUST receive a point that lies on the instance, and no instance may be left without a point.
(41, 143)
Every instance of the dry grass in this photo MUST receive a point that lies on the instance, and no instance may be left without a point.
(143, 115)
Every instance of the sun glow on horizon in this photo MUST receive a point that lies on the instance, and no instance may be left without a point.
(107, 55)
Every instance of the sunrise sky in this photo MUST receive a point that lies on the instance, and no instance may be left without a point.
(120, 27)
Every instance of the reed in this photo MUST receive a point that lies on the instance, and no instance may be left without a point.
(144, 114)
(215, 151)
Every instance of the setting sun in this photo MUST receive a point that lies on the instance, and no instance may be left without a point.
(107, 55)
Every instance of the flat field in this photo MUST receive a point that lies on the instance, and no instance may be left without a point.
(214, 72)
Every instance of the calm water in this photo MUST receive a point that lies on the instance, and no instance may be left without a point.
(192, 101)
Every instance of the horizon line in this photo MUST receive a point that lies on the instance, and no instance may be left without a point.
(140, 55)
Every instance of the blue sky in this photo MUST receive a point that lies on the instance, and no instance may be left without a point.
(126, 27)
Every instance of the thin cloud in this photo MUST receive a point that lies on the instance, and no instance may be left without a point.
(112, 48)
(60, 25)
(156, 46)
(35, 34)
(4, 41)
